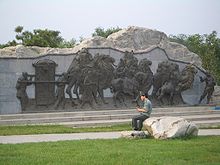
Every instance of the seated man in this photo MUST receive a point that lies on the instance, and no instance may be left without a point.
(145, 111)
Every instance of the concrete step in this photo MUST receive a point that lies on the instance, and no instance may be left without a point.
(64, 114)
(95, 123)
(111, 116)
(64, 119)
(89, 116)
(103, 112)
(199, 123)
(203, 116)
(130, 112)
(183, 113)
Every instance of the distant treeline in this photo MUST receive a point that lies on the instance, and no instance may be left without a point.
(207, 46)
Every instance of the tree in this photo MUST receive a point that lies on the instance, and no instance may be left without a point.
(9, 43)
(105, 33)
(18, 29)
(39, 37)
(181, 38)
(42, 38)
(207, 46)
(81, 39)
(68, 44)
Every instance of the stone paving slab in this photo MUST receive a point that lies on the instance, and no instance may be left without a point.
(14, 139)
(208, 132)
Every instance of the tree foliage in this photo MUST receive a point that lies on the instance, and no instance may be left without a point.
(9, 43)
(99, 31)
(42, 38)
(207, 46)
(50, 38)
(18, 29)
(68, 44)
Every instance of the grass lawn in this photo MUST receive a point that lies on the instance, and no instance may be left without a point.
(194, 151)
(49, 129)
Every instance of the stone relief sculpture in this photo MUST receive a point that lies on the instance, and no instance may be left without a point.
(104, 66)
(186, 78)
(209, 88)
(144, 75)
(127, 66)
(167, 87)
(159, 78)
(174, 81)
(100, 66)
(121, 87)
(89, 88)
(76, 73)
(21, 86)
(89, 76)
(164, 72)
(131, 78)
(44, 82)
(60, 92)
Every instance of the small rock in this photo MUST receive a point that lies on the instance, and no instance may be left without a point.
(134, 134)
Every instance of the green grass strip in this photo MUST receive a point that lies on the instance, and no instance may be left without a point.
(52, 129)
(202, 150)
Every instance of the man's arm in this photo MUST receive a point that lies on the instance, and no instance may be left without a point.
(141, 110)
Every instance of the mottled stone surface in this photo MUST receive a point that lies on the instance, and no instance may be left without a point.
(133, 38)
(169, 127)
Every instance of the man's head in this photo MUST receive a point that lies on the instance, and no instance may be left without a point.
(144, 96)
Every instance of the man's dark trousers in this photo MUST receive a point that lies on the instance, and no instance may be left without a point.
(137, 122)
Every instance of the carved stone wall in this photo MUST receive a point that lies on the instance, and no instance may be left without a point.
(12, 68)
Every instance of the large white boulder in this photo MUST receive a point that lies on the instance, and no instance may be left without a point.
(21, 51)
(169, 127)
(134, 38)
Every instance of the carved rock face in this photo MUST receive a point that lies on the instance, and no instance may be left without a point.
(131, 38)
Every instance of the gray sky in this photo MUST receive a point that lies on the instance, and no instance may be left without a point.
(75, 18)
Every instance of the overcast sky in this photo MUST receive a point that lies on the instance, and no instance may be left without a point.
(75, 18)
